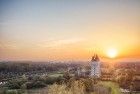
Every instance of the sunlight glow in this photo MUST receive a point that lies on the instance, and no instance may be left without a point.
(112, 53)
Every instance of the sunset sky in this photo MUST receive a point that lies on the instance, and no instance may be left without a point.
(69, 29)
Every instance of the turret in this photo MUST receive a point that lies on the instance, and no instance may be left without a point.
(95, 58)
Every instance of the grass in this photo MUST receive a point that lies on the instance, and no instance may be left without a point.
(114, 86)
(55, 74)
(37, 91)
(63, 89)
(78, 88)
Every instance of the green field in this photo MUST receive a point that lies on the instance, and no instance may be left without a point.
(55, 74)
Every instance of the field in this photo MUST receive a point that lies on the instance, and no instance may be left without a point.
(114, 86)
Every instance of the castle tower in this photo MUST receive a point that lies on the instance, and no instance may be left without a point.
(95, 67)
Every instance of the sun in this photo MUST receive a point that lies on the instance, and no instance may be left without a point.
(112, 52)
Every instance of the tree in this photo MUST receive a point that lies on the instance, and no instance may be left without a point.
(124, 77)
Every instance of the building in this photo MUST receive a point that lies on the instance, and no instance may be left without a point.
(92, 70)
(95, 67)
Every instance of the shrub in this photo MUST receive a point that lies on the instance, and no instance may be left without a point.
(15, 83)
(24, 86)
(76, 88)
(37, 84)
(52, 80)
(11, 92)
(29, 85)
(88, 84)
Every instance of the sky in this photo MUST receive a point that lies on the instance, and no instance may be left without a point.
(68, 29)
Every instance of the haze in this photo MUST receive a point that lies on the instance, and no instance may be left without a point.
(68, 30)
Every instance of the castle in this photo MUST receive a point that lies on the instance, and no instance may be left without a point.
(95, 68)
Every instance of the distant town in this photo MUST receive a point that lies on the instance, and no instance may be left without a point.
(31, 76)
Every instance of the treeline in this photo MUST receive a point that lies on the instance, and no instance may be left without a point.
(15, 69)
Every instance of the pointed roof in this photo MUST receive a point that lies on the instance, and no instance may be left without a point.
(95, 58)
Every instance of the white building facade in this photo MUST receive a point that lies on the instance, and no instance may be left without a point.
(95, 67)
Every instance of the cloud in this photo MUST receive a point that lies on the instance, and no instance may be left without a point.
(59, 43)
(38, 45)
(8, 46)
